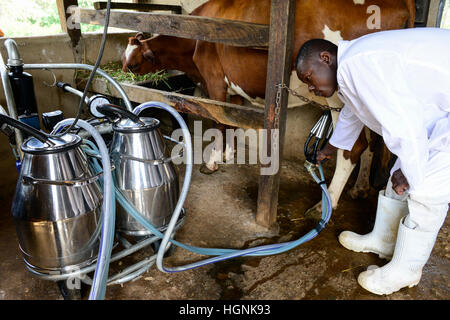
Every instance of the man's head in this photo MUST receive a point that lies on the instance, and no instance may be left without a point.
(316, 65)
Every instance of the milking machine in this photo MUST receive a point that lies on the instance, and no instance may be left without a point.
(57, 204)
(318, 137)
(80, 206)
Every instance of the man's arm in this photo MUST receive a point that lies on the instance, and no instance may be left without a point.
(347, 129)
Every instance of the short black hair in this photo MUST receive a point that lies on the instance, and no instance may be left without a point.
(313, 47)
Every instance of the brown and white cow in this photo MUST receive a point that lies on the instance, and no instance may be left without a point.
(242, 71)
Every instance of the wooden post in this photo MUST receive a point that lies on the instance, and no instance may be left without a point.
(74, 31)
(282, 19)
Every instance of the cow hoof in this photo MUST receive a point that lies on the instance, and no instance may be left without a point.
(314, 213)
(228, 157)
(358, 193)
(205, 170)
(229, 154)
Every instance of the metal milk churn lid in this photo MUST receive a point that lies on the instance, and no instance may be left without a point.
(144, 173)
(57, 206)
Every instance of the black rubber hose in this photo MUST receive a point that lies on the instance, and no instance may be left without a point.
(113, 111)
(41, 136)
(306, 148)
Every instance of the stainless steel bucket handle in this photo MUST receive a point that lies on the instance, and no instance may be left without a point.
(150, 162)
(68, 183)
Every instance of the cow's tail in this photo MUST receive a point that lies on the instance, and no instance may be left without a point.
(411, 4)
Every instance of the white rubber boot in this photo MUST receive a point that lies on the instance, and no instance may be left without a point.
(412, 251)
(382, 239)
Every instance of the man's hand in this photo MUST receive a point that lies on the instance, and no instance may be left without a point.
(326, 153)
(399, 182)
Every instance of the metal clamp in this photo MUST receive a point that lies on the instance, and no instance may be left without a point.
(150, 162)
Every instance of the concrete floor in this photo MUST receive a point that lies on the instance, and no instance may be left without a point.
(221, 213)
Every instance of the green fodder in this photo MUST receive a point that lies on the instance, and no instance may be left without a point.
(114, 69)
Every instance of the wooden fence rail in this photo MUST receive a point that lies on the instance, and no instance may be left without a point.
(138, 6)
(230, 32)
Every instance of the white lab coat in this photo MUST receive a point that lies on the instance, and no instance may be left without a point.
(397, 83)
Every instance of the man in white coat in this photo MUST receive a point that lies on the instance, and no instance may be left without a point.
(397, 83)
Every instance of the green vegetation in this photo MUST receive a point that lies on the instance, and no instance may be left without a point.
(21, 18)
(29, 17)
(114, 69)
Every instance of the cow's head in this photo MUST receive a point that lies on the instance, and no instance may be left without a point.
(138, 58)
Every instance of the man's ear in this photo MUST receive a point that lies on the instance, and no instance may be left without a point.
(148, 55)
(325, 56)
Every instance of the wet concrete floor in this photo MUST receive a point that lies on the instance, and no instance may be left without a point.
(221, 214)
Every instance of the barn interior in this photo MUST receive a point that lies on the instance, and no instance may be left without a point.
(221, 208)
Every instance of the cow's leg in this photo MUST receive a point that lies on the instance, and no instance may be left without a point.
(229, 151)
(344, 168)
(207, 61)
(362, 185)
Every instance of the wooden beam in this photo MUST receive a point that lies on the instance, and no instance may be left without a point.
(221, 112)
(138, 6)
(72, 29)
(230, 32)
(282, 18)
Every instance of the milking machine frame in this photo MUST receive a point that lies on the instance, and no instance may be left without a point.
(131, 272)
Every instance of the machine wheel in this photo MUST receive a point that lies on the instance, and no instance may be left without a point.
(68, 294)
